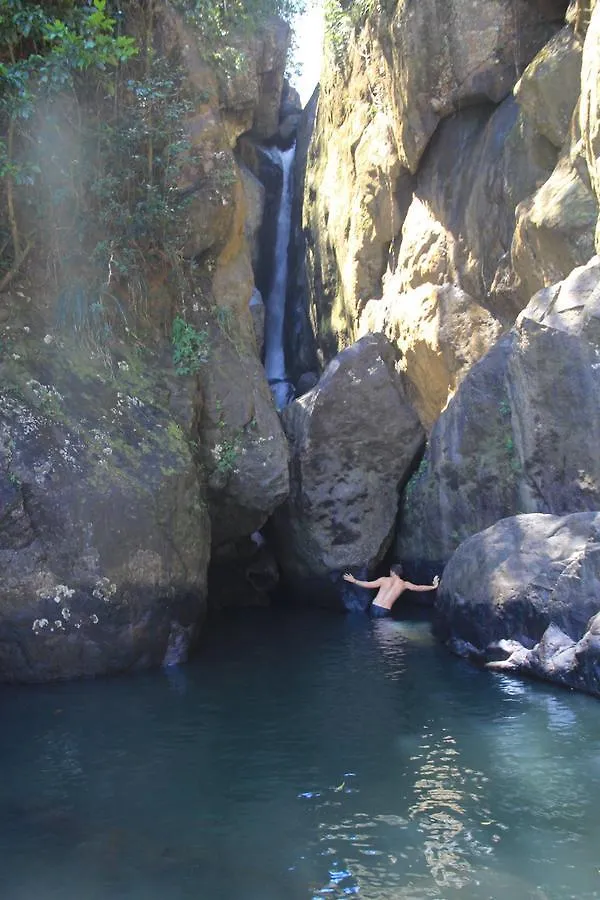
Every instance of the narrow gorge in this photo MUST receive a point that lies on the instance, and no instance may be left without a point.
(247, 347)
(251, 343)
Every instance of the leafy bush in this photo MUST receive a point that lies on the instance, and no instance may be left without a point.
(190, 347)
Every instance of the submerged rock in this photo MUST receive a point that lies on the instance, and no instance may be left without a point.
(524, 596)
(352, 439)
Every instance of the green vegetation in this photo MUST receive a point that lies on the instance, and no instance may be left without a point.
(190, 347)
(338, 29)
(343, 18)
(414, 480)
(94, 102)
(219, 24)
(226, 456)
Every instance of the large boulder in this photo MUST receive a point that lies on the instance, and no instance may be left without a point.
(554, 230)
(441, 332)
(522, 595)
(251, 91)
(243, 448)
(469, 475)
(548, 90)
(104, 529)
(353, 439)
(520, 435)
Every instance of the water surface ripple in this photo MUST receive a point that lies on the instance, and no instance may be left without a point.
(301, 757)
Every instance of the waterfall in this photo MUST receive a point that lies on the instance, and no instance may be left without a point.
(275, 306)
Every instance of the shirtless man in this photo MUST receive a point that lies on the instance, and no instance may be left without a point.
(390, 588)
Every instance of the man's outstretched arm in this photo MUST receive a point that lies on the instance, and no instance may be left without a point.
(365, 584)
(423, 587)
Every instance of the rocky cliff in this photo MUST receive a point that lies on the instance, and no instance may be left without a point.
(451, 202)
(138, 437)
(451, 174)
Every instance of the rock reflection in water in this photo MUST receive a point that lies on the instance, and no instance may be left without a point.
(441, 790)
(299, 757)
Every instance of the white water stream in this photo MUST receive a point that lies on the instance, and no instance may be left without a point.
(275, 304)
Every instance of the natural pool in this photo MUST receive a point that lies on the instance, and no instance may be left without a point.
(301, 755)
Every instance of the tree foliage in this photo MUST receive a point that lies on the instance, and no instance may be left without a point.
(220, 23)
(93, 113)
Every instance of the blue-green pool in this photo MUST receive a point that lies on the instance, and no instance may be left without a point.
(301, 755)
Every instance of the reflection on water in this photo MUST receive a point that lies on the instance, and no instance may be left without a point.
(301, 757)
(445, 793)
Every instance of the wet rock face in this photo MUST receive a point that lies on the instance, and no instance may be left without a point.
(352, 439)
(520, 435)
(104, 532)
(300, 345)
(523, 596)
(270, 176)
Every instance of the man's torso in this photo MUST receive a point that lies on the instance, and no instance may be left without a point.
(389, 592)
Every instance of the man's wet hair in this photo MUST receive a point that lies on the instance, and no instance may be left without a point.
(396, 569)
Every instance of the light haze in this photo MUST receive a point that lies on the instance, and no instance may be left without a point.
(308, 29)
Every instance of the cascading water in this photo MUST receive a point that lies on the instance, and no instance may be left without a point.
(282, 389)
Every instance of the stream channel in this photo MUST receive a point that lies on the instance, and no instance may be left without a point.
(301, 755)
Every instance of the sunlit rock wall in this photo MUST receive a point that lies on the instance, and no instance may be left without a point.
(453, 145)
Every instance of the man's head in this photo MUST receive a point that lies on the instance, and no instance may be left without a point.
(396, 569)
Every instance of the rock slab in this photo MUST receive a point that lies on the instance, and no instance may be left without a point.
(104, 529)
(521, 433)
(523, 596)
(352, 439)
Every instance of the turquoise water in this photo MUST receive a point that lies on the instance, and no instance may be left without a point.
(301, 756)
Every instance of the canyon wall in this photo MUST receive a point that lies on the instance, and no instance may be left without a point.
(450, 175)
(138, 437)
